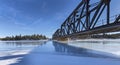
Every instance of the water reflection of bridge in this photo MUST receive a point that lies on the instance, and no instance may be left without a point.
(84, 21)
(87, 49)
(67, 49)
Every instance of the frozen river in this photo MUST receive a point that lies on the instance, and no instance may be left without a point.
(79, 52)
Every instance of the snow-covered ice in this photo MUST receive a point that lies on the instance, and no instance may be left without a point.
(52, 53)
(13, 51)
(46, 55)
(9, 61)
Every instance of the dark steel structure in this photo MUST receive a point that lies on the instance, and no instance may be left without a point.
(84, 21)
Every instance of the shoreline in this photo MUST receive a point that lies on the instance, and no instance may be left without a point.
(22, 40)
(78, 40)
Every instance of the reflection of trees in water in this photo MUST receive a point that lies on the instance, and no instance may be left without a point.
(22, 43)
(64, 48)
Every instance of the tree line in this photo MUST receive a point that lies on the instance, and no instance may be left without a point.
(26, 37)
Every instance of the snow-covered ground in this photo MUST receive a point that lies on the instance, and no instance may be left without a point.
(109, 47)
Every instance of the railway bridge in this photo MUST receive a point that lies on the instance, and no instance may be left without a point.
(86, 21)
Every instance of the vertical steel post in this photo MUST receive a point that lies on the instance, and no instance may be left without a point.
(87, 14)
(108, 11)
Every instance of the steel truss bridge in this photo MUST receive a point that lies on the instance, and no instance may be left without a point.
(84, 21)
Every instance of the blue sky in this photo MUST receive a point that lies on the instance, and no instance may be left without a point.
(38, 16)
